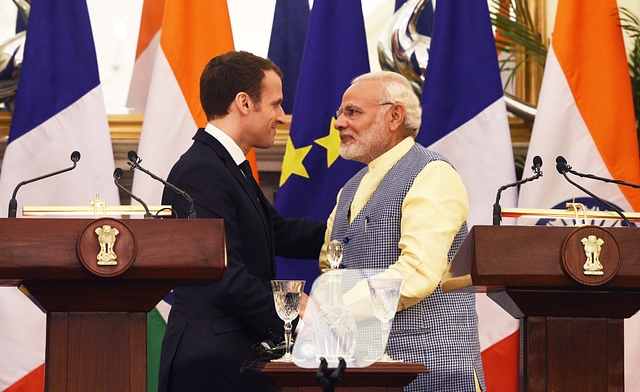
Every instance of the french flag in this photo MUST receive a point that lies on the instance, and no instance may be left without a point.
(465, 119)
(59, 109)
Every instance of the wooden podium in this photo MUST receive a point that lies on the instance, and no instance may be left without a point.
(96, 314)
(572, 333)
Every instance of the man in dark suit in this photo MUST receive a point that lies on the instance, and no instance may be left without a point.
(211, 329)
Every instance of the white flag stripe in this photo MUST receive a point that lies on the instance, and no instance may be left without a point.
(474, 151)
(81, 127)
(171, 122)
(141, 76)
(23, 335)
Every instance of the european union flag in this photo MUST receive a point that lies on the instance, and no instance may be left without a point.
(290, 22)
(312, 170)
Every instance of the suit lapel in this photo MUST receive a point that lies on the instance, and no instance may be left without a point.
(255, 195)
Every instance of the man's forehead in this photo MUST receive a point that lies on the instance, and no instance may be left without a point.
(363, 91)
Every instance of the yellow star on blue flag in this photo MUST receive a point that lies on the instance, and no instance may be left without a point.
(331, 142)
(292, 161)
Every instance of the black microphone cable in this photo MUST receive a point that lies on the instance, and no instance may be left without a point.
(563, 168)
(594, 177)
(117, 175)
(134, 163)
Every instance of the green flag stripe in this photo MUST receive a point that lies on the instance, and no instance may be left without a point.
(155, 331)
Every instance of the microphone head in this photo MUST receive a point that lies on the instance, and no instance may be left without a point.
(561, 164)
(117, 174)
(75, 156)
(537, 161)
(133, 156)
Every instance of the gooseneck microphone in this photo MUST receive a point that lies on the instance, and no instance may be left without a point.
(117, 175)
(134, 162)
(13, 203)
(569, 169)
(537, 173)
(563, 168)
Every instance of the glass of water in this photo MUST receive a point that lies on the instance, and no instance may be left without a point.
(287, 296)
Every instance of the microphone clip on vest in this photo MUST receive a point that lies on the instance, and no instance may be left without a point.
(13, 203)
(134, 163)
(537, 173)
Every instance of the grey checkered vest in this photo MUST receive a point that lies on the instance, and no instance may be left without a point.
(441, 331)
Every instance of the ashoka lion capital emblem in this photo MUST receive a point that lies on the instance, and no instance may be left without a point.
(107, 239)
(592, 248)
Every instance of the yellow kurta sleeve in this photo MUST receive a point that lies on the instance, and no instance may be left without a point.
(433, 211)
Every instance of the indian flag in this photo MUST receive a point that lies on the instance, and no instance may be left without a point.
(192, 33)
(586, 115)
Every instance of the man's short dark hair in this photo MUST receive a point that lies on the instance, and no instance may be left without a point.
(227, 75)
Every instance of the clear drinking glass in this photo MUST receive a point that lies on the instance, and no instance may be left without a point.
(287, 296)
(385, 294)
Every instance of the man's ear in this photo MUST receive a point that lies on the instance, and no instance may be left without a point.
(397, 113)
(243, 102)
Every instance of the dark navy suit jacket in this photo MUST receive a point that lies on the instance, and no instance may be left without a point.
(211, 329)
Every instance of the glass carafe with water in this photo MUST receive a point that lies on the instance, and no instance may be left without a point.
(334, 329)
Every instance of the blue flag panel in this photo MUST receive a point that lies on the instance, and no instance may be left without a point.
(55, 56)
(459, 79)
(290, 23)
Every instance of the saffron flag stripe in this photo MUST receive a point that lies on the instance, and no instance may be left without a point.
(607, 102)
(208, 34)
(150, 24)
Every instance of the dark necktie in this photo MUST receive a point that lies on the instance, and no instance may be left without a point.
(246, 169)
(262, 201)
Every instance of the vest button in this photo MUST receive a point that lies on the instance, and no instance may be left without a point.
(346, 240)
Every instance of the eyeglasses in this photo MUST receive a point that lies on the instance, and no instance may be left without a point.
(352, 111)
